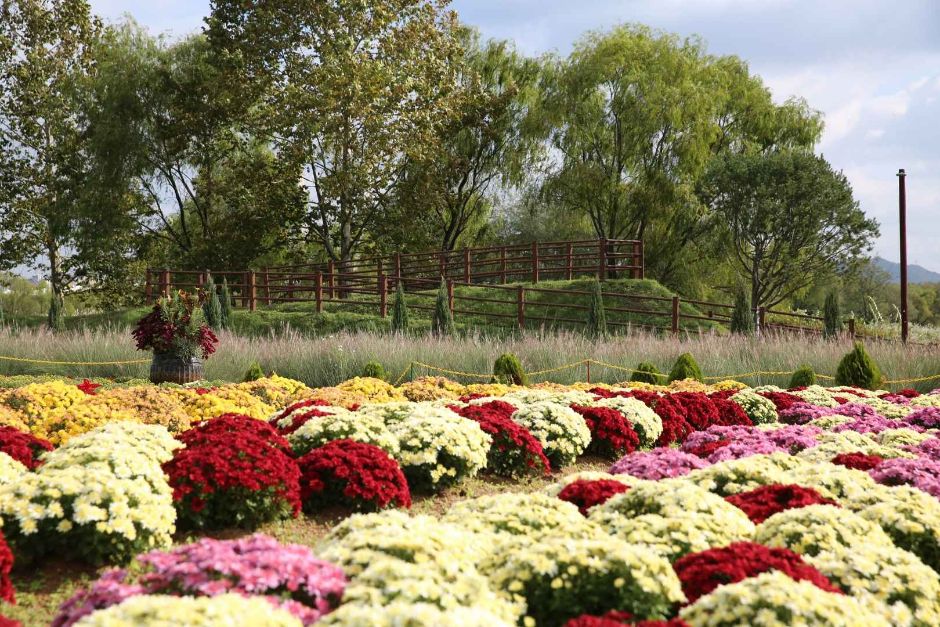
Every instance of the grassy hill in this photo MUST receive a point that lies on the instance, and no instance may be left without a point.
(354, 314)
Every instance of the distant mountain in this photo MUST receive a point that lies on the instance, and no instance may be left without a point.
(915, 274)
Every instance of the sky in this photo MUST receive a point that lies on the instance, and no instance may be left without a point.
(871, 66)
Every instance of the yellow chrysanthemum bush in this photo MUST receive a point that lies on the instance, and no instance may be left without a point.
(559, 578)
(774, 600)
(147, 404)
(911, 518)
(439, 448)
(521, 514)
(101, 497)
(759, 409)
(159, 610)
(745, 474)
(832, 444)
(814, 529)
(562, 431)
(431, 389)
(672, 518)
(893, 576)
(817, 395)
(392, 557)
(372, 390)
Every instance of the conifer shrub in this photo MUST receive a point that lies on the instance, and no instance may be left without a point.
(399, 311)
(648, 373)
(858, 369)
(596, 327)
(508, 370)
(374, 370)
(685, 368)
(832, 316)
(212, 306)
(742, 318)
(253, 373)
(803, 377)
(443, 323)
(225, 306)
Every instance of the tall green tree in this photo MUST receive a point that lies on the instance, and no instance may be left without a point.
(789, 220)
(483, 146)
(347, 90)
(634, 116)
(51, 214)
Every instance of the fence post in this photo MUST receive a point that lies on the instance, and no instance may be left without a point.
(502, 264)
(675, 315)
(587, 365)
(165, 283)
(244, 287)
(252, 291)
(602, 259)
(569, 270)
(761, 319)
(331, 271)
(148, 287)
(520, 307)
(201, 280)
(267, 287)
(442, 265)
(466, 265)
(450, 296)
(642, 261)
(383, 295)
(318, 291)
(535, 262)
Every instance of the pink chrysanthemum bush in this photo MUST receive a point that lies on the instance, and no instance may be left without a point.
(289, 576)
(351, 474)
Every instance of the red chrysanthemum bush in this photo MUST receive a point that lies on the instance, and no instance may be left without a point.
(6, 565)
(515, 452)
(722, 394)
(707, 448)
(730, 413)
(858, 461)
(700, 573)
(351, 474)
(782, 400)
(612, 435)
(586, 493)
(763, 502)
(675, 427)
(294, 416)
(234, 472)
(700, 411)
(616, 618)
(23, 447)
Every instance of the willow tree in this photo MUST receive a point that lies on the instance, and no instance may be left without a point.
(348, 90)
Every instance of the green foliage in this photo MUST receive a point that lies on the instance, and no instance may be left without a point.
(225, 306)
(596, 326)
(443, 322)
(399, 311)
(648, 373)
(211, 307)
(832, 316)
(790, 220)
(804, 376)
(56, 317)
(685, 368)
(253, 373)
(858, 369)
(742, 318)
(507, 369)
(375, 370)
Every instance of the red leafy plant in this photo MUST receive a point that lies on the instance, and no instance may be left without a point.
(234, 472)
(23, 447)
(700, 573)
(586, 493)
(88, 387)
(352, 474)
(763, 502)
(171, 327)
(612, 435)
(515, 452)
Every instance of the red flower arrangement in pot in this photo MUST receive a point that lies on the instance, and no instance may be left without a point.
(179, 340)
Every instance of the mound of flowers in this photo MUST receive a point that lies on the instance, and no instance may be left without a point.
(23, 447)
(587, 493)
(563, 433)
(234, 472)
(701, 573)
(288, 576)
(351, 474)
(514, 452)
(225, 609)
(763, 502)
(102, 497)
(611, 433)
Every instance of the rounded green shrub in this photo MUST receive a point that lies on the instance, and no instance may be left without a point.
(508, 370)
(648, 373)
(375, 370)
(254, 372)
(858, 369)
(685, 368)
(803, 377)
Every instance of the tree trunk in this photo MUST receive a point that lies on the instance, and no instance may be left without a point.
(57, 304)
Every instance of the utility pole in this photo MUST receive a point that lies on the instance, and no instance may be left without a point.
(902, 210)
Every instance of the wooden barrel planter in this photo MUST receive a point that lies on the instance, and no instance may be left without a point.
(171, 368)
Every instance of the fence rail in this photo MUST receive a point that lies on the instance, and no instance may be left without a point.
(366, 284)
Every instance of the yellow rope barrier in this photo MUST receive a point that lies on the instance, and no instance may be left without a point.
(475, 375)
(74, 363)
(573, 364)
(918, 380)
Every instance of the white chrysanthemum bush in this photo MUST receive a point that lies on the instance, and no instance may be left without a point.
(345, 425)
(759, 409)
(563, 433)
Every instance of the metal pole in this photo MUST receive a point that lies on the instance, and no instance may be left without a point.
(902, 209)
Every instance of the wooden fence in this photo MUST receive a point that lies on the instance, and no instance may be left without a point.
(476, 284)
